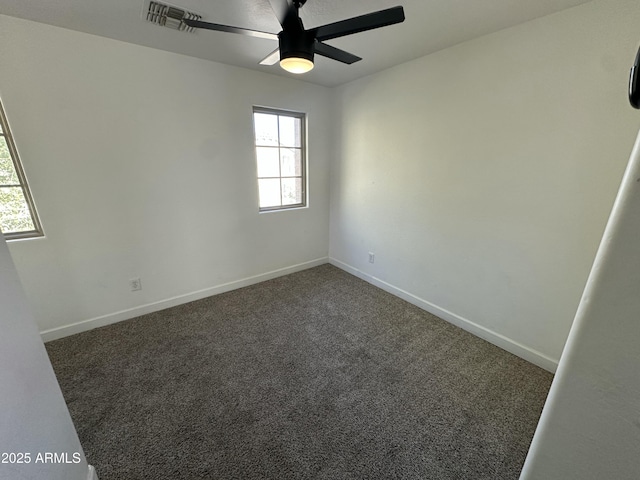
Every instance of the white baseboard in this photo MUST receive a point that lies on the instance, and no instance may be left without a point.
(497, 339)
(84, 325)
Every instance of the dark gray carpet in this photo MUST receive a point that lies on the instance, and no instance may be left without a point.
(315, 375)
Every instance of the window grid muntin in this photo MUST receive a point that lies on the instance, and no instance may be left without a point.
(302, 149)
(5, 132)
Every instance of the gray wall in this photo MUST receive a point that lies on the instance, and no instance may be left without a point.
(141, 165)
(482, 176)
(33, 415)
(590, 423)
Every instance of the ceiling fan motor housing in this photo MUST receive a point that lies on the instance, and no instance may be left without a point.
(296, 44)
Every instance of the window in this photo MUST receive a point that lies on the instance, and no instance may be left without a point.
(280, 156)
(17, 213)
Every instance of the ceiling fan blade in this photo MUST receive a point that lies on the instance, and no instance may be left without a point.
(362, 23)
(335, 53)
(272, 58)
(227, 28)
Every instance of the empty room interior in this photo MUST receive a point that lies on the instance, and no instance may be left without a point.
(368, 270)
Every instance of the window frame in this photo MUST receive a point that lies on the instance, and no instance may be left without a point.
(303, 157)
(22, 178)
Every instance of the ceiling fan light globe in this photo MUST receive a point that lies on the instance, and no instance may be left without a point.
(296, 65)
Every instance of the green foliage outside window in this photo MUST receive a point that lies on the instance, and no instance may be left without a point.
(17, 216)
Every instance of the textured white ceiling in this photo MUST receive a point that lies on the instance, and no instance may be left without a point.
(430, 25)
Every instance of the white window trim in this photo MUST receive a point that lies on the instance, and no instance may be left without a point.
(304, 166)
(22, 178)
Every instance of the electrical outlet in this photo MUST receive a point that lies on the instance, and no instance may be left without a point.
(372, 257)
(135, 284)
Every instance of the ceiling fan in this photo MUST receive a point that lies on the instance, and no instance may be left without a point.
(297, 46)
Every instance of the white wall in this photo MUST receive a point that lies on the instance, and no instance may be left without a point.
(589, 426)
(33, 416)
(482, 176)
(141, 164)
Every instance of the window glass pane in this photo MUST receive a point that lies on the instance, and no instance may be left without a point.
(290, 128)
(7, 171)
(16, 218)
(291, 165)
(14, 211)
(266, 127)
(280, 158)
(267, 162)
(291, 191)
(269, 190)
